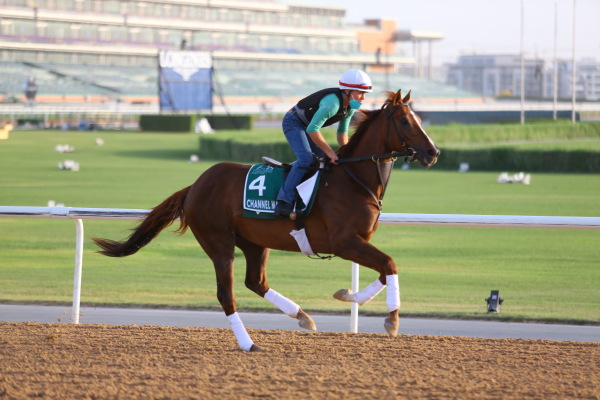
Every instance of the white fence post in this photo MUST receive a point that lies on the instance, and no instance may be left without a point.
(78, 270)
(354, 306)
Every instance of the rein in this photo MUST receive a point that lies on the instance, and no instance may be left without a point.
(407, 153)
(378, 201)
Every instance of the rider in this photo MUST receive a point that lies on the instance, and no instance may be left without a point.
(302, 125)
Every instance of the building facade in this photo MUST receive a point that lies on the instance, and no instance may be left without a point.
(500, 76)
(260, 35)
(263, 51)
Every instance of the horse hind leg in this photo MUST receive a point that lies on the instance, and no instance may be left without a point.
(220, 249)
(224, 271)
(256, 281)
(291, 309)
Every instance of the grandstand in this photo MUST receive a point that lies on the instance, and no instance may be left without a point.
(265, 53)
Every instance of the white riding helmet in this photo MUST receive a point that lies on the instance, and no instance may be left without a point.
(355, 79)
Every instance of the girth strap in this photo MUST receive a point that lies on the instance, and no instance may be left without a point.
(299, 224)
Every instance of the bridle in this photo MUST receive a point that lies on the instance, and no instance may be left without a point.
(409, 155)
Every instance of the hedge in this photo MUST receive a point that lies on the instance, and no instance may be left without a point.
(494, 133)
(480, 159)
(509, 159)
(213, 149)
(187, 123)
(168, 123)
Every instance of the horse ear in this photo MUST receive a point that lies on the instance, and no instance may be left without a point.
(407, 97)
(398, 96)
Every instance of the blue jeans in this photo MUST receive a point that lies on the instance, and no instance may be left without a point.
(303, 147)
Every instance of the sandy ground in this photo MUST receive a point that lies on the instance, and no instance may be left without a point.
(66, 361)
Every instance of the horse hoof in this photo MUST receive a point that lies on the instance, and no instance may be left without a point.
(305, 321)
(256, 349)
(390, 327)
(344, 295)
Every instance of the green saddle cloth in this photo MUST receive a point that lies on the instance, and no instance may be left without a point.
(262, 186)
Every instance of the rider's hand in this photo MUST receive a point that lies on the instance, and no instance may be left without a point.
(333, 158)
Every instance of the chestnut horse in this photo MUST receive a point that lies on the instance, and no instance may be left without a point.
(343, 218)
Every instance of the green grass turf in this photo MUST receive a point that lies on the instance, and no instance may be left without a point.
(544, 274)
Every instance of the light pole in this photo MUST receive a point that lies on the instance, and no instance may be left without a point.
(573, 76)
(555, 72)
(522, 63)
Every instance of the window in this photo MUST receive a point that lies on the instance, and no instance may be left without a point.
(145, 35)
(88, 32)
(253, 41)
(7, 27)
(133, 34)
(65, 4)
(41, 28)
(198, 12)
(213, 14)
(111, 6)
(140, 8)
(84, 5)
(201, 38)
(234, 16)
(103, 33)
(24, 27)
(118, 33)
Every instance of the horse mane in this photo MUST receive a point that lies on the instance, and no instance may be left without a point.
(366, 119)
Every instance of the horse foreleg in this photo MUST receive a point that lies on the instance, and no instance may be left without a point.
(362, 297)
(363, 253)
(256, 280)
(392, 323)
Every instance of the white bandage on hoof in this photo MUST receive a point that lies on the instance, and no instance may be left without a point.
(239, 330)
(368, 293)
(393, 292)
(283, 303)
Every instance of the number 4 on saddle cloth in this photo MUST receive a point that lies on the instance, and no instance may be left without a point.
(262, 186)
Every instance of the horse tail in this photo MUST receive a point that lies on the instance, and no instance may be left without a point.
(158, 219)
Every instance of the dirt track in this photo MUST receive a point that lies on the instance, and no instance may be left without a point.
(65, 361)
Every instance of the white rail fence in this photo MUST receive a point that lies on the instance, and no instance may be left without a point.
(507, 221)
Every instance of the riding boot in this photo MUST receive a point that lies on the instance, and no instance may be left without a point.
(283, 209)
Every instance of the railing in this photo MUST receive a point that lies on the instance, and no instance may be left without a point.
(507, 221)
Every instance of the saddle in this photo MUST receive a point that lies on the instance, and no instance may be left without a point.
(263, 182)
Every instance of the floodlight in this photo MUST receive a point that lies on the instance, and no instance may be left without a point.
(494, 301)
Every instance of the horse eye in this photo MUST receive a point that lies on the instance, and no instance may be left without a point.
(404, 122)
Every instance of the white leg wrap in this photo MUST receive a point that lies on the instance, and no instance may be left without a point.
(368, 293)
(239, 330)
(393, 292)
(283, 303)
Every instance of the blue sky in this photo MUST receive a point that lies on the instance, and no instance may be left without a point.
(487, 26)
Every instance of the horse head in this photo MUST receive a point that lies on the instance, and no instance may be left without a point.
(405, 132)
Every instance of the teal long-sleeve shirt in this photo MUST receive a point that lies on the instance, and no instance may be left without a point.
(328, 107)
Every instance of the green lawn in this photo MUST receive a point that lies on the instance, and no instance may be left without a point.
(547, 274)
